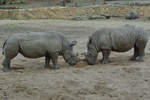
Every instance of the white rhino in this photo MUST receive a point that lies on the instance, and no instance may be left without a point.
(39, 44)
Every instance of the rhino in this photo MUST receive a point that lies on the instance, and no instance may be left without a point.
(118, 39)
(39, 44)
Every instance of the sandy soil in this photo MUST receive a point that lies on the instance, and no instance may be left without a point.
(120, 80)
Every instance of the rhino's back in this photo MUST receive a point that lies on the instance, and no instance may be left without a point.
(118, 39)
(123, 39)
(36, 45)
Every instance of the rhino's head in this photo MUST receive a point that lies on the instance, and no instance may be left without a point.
(92, 53)
(68, 54)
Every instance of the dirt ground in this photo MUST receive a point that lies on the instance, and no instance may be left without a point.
(119, 80)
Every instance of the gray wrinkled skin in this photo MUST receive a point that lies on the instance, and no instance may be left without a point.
(132, 15)
(39, 44)
(119, 39)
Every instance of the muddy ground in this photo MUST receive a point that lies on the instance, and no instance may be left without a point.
(119, 80)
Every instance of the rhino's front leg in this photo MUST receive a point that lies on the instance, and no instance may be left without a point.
(47, 61)
(55, 61)
(135, 55)
(105, 58)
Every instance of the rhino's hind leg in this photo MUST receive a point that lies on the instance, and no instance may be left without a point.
(136, 54)
(11, 49)
(105, 58)
(6, 65)
(9, 55)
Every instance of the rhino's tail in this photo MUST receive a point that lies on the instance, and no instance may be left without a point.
(3, 47)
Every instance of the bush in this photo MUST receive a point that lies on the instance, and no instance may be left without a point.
(3, 1)
(12, 2)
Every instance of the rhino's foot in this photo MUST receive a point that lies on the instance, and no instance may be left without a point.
(105, 61)
(6, 69)
(6, 66)
(140, 59)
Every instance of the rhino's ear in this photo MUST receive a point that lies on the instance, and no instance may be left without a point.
(73, 43)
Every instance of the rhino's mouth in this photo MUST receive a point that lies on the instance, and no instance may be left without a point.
(90, 62)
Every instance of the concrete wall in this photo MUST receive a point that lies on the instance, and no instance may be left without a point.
(71, 12)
